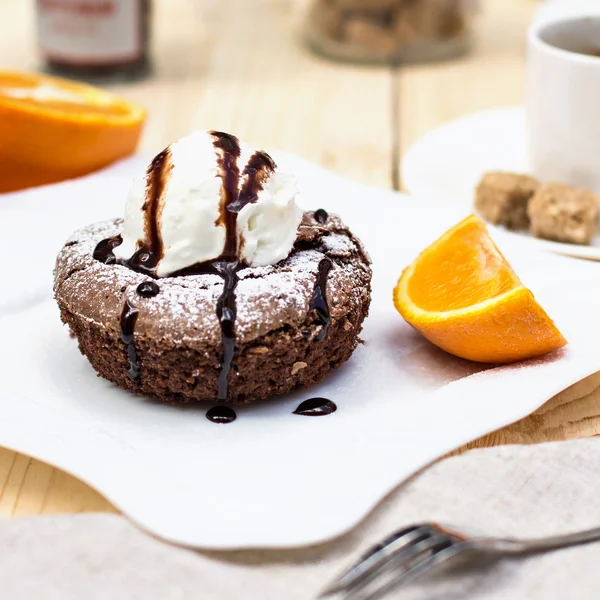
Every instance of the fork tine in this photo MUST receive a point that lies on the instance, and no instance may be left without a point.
(388, 548)
(427, 563)
(402, 561)
(390, 539)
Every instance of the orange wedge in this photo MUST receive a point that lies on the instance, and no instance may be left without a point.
(53, 129)
(464, 297)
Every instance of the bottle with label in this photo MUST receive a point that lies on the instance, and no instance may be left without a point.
(95, 39)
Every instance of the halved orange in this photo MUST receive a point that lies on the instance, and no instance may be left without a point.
(53, 129)
(464, 297)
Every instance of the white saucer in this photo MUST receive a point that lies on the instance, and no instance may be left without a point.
(446, 164)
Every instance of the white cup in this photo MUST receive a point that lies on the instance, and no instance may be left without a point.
(563, 98)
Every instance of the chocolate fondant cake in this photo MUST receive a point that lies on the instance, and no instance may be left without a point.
(215, 286)
(296, 320)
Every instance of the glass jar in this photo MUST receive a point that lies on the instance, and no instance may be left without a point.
(389, 31)
(95, 39)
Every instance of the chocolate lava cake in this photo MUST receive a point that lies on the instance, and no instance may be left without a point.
(231, 335)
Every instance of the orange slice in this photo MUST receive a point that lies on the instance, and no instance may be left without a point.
(53, 129)
(464, 297)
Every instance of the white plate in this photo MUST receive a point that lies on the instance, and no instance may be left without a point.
(446, 164)
(271, 478)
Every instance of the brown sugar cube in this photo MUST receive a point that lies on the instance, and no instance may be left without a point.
(503, 198)
(367, 6)
(563, 213)
(371, 36)
(327, 19)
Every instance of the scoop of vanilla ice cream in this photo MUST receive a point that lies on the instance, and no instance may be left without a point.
(188, 218)
(269, 226)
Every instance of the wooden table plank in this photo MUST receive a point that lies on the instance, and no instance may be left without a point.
(218, 73)
(492, 75)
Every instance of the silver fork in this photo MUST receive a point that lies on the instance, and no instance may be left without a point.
(409, 553)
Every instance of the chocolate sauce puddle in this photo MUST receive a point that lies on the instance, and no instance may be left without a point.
(319, 298)
(316, 407)
(129, 318)
(148, 289)
(104, 251)
(221, 414)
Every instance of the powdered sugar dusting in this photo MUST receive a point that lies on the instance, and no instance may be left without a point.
(337, 245)
(267, 297)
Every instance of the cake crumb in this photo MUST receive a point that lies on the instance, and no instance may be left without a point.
(298, 366)
(259, 350)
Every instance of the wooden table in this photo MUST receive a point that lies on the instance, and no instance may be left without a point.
(215, 71)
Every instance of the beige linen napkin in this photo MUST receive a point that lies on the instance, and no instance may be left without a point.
(516, 490)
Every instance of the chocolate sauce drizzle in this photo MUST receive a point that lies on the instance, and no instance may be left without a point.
(228, 266)
(234, 198)
(321, 216)
(104, 251)
(128, 320)
(226, 313)
(151, 250)
(221, 414)
(316, 407)
(259, 168)
(230, 149)
(319, 298)
(147, 257)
